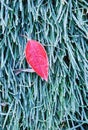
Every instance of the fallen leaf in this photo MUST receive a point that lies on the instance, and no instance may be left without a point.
(37, 58)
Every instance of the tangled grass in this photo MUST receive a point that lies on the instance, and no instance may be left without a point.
(27, 102)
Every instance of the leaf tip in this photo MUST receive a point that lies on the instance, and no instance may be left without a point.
(46, 79)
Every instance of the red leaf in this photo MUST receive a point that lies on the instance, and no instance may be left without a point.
(36, 56)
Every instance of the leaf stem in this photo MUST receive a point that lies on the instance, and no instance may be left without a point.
(18, 71)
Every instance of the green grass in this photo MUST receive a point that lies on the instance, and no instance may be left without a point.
(27, 102)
